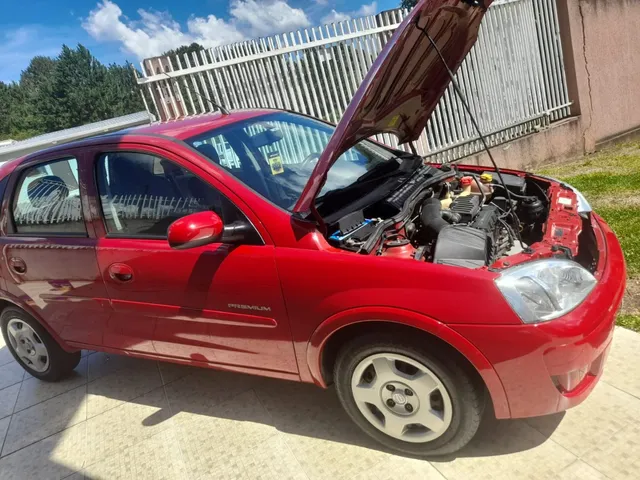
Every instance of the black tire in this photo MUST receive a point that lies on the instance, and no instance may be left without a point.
(61, 363)
(468, 395)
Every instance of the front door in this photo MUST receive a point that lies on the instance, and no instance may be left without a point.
(219, 303)
(48, 252)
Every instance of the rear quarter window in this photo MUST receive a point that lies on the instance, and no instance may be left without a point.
(47, 202)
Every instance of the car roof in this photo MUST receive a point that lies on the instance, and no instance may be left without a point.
(189, 127)
(179, 129)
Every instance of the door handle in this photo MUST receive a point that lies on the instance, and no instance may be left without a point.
(121, 272)
(17, 265)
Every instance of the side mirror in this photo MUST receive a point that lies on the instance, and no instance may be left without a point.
(195, 230)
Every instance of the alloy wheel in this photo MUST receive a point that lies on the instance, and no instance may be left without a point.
(401, 397)
(28, 345)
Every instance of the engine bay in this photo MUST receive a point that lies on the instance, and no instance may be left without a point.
(448, 215)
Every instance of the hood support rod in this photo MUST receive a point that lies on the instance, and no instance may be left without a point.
(476, 126)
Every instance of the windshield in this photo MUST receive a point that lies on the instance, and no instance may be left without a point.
(275, 154)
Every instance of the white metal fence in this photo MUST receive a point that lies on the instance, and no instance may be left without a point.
(514, 78)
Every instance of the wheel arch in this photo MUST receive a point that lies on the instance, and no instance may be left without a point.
(10, 301)
(326, 340)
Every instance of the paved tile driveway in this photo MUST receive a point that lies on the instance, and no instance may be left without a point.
(121, 418)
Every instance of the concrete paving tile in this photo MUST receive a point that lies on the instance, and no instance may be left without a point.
(8, 398)
(118, 387)
(318, 431)
(624, 353)
(170, 372)
(293, 405)
(54, 457)
(4, 426)
(605, 412)
(270, 460)
(10, 374)
(507, 449)
(231, 440)
(101, 364)
(241, 421)
(126, 425)
(34, 391)
(618, 457)
(5, 354)
(46, 418)
(77, 476)
(204, 389)
(156, 458)
(324, 458)
(401, 467)
(579, 470)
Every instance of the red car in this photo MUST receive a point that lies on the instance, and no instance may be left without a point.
(271, 243)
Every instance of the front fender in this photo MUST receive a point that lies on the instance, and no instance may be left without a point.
(429, 325)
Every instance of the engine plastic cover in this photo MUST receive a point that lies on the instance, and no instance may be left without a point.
(462, 246)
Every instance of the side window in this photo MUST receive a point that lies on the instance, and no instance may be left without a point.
(218, 150)
(47, 200)
(142, 194)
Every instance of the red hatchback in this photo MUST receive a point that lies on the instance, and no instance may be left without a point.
(271, 243)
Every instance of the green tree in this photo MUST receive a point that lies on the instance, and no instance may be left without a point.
(82, 90)
(180, 51)
(75, 95)
(121, 90)
(14, 113)
(408, 4)
(37, 73)
(36, 77)
(70, 90)
(5, 108)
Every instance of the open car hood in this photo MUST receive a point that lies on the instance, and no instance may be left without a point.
(405, 83)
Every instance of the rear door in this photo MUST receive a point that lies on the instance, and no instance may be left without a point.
(219, 303)
(49, 247)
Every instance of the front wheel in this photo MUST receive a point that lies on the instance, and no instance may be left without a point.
(33, 347)
(408, 398)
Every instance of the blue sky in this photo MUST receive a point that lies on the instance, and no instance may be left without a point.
(119, 30)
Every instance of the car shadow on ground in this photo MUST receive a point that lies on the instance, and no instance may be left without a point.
(306, 410)
(213, 401)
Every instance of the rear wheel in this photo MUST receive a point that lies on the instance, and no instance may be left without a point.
(408, 398)
(33, 347)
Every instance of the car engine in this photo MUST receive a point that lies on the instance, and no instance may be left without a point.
(464, 220)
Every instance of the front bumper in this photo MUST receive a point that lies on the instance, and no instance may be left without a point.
(553, 366)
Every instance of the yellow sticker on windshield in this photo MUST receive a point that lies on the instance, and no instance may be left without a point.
(394, 121)
(275, 162)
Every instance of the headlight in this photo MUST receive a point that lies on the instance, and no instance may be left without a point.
(546, 289)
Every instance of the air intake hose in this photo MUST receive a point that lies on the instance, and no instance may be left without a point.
(431, 216)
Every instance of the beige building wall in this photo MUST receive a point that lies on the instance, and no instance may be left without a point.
(601, 42)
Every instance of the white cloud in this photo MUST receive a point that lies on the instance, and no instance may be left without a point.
(157, 32)
(263, 17)
(334, 17)
(365, 10)
(370, 9)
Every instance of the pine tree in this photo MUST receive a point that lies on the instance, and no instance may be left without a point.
(409, 4)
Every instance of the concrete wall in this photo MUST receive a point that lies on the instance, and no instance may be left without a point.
(601, 48)
(563, 140)
(602, 56)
